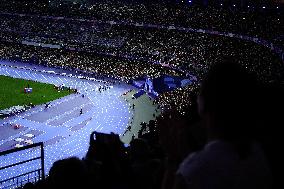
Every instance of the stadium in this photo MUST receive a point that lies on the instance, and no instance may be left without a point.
(132, 94)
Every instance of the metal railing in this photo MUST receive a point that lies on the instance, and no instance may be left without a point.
(31, 176)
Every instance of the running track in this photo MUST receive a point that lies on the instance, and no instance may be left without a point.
(63, 130)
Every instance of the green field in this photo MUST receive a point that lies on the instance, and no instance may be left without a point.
(12, 92)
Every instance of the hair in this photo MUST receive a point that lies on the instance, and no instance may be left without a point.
(227, 96)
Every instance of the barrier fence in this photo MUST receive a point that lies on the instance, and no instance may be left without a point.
(32, 176)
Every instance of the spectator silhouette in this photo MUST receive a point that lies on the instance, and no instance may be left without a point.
(144, 168)
(106, 154)
(269, 131)
(179, 135)
(231, 157)
(68, 173)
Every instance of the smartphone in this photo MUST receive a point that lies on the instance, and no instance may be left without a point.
(106, 138)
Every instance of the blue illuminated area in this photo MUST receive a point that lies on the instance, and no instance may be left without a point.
(63, 129)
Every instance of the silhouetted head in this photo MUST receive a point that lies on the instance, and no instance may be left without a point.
(68, 173)
(226, 102)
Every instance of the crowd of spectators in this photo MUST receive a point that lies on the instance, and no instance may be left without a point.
(128, 52)
(178, 49)
(184, 97)
(101, 66)
(250, 21)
